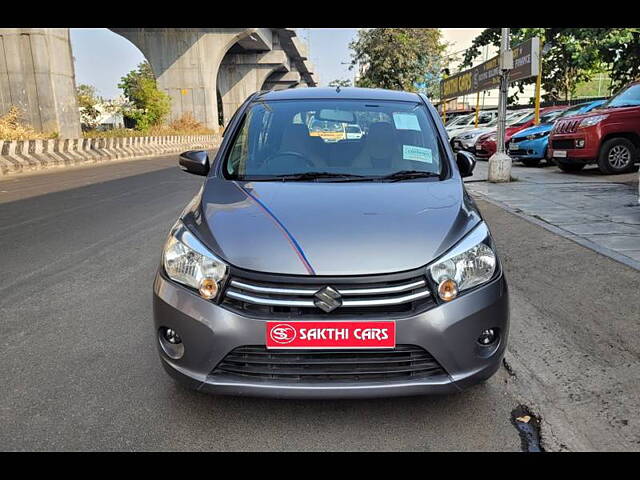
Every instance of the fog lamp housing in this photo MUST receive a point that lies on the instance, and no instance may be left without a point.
(171, 343)
(579, 142)
(488, 337)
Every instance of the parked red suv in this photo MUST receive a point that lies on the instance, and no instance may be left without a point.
(608, 136)
(486, 144)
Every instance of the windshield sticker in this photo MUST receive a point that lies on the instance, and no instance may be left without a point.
(406, 121)
(419, 154)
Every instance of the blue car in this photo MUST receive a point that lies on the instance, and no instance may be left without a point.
(530, 145)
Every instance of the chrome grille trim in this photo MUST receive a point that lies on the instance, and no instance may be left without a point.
(269, 301)
(264, 295)
(273, 290)
(343, 291)
(377, 302)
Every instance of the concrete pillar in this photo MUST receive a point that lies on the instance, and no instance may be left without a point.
(242, 74)
(186, 62)
(37, 75)
(280, 80)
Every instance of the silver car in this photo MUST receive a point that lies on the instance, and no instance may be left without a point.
(313, 268)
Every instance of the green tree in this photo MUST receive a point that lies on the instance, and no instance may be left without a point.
(149, 105)
(399, 58)
(620, 49)
(574, 56)
(88, 100)
(340, 83)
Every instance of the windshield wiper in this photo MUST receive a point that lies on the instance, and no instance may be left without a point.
(407, 174)
(313, 175)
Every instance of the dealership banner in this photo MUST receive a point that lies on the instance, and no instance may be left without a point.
(486, 76)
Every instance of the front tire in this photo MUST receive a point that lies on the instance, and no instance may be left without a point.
(569, 167)
(617, 155)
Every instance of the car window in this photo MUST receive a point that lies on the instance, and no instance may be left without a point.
(360, 137)
(629, 97)
(571, 111)
(550, 116)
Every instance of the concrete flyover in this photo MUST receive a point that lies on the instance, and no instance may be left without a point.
(198, 68)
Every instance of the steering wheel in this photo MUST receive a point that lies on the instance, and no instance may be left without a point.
(308, 162)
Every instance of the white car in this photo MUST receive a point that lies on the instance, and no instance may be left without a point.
(353, 132)
(465, 139)
(484, 118)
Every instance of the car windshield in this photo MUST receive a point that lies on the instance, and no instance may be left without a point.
(459, 120)
(627, 98)
(512, 117)
(571, 111)
(308, 139)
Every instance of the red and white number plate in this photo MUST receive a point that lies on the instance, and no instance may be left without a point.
(332, 335)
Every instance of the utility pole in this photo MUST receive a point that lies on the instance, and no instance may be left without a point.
(500, 162)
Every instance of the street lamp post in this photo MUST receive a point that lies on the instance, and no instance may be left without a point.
(500, 162)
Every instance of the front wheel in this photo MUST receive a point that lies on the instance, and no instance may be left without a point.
(531, 162)
(617, 155)
(569, 167)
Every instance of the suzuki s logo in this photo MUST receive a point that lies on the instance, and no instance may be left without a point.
(327, 299)
(283, 334)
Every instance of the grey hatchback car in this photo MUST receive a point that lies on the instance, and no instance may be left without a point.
(312, 264)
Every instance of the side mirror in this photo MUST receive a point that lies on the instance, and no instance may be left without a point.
(466, 163)
(195, 161)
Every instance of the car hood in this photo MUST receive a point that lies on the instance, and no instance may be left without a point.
(331, 228)
(458, 130)
(604, 111)
(543, 127)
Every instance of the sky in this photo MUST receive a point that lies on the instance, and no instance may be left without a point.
(103, 57)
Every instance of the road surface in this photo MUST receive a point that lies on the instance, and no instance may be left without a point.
(80, 368)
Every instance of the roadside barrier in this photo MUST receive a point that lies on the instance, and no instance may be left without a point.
(23, 156)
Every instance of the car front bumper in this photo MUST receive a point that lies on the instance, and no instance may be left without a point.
(565, 144)
(529, 149)
(448, 332)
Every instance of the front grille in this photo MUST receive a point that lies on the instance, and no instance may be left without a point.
(294, 297)
(518, 152)
(404, 362)
(566, 126)
(564, 144)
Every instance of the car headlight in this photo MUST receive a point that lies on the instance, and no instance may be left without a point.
(533, 136)
(591, 121)
(186, 260)
(470, 263)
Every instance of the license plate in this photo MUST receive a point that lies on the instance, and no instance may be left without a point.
(331, 335)
(560, 153)
(513, 146)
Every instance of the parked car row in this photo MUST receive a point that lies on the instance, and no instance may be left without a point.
(531, 145)
(605, 132)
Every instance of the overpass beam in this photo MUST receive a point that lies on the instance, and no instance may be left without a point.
(37, 75)
(186, 62)
(242, 74)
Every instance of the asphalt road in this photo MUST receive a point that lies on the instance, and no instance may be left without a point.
(80, 370)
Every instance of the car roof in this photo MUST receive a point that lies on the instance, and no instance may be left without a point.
(350, 93)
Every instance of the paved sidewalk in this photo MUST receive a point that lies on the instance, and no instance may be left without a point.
(598, 211)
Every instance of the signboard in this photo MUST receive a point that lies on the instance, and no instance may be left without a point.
(486, 76)
(526, 60)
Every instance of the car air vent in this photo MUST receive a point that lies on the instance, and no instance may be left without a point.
(255, 362)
